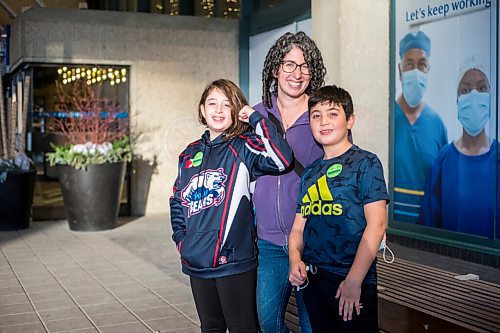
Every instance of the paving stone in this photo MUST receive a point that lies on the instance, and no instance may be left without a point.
(68, 324)
(48, 295)
(54, 304)
(144, 303)
(170, 324)
(19, 318)
(15, 308)
(104, 308)
(58, 314)
(13, 299)
(24, 328)
(113, 318)
(136, 327)
(157, 313)
(11, 290)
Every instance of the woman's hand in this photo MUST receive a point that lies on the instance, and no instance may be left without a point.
(245, 113)
(298, 273)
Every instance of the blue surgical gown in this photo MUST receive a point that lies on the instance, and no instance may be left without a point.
(461, 192)
(416, 148)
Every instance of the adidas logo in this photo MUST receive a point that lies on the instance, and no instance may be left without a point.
(319, 200)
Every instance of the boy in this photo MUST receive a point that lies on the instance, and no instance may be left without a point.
(340, 222)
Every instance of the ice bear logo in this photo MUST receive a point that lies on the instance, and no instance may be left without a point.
(204, 190)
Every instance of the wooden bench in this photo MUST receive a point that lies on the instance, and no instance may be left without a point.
(292, 315)
(419, 298)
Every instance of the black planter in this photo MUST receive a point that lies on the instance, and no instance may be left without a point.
(92, 197)
(16, 200)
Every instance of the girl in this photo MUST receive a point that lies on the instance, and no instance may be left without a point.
(211, 213)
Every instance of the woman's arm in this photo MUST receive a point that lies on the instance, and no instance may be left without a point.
(298, 271)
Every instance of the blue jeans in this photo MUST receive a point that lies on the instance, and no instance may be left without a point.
(273, 290)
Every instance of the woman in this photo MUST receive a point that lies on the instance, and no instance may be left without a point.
(460, 193)
(292, 70)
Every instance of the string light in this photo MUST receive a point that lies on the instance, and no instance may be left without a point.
(93, 75)
(208, 7)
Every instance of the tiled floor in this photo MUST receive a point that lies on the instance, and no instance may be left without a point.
(123, 280)
(56, 280)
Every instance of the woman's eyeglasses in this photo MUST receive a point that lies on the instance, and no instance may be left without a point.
(290, 67)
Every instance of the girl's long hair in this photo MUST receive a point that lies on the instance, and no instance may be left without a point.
(237, 101)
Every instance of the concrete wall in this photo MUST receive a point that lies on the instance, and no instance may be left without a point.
(354, 40)
(171, 59)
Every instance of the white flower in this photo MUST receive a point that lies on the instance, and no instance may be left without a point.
(105, 147)
(90, 148)
(79, 149)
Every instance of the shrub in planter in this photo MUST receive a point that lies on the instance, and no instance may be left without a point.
(97, 139)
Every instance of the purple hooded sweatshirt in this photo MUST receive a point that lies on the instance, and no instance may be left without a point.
(275, 197)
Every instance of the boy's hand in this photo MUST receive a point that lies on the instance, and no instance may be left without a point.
(298, 273)
(348, 293)
(245, 113)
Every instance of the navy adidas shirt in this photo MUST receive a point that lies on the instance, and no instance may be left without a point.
(332, 195)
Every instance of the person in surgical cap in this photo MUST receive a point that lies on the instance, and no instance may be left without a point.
(419, 131)
(461, 191)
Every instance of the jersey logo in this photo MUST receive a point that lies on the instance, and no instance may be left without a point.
(319, 200)
(195, 161)
(204, 190)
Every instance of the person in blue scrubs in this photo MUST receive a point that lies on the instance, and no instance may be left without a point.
(419, 131)
(462, 186)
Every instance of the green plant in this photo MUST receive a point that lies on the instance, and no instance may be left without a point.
(94, 127)
(80, 156)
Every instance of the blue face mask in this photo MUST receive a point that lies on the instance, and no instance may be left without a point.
(474, 111)
(414, 84)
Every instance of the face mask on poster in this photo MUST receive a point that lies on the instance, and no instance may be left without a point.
(474, 111)
(414, 84)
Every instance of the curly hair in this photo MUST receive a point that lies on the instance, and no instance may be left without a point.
(277, 53)
(237, 101)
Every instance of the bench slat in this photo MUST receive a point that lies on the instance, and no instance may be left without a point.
(412, 295)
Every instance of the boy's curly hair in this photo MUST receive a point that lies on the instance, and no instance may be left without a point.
(275, 56)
